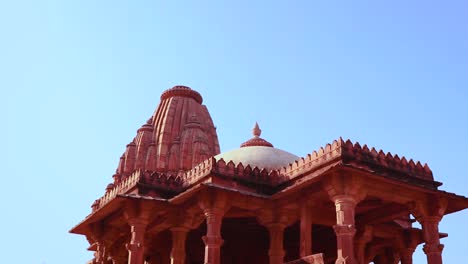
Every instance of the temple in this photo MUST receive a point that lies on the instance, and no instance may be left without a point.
(176, 199)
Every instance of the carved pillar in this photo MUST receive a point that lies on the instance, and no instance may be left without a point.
(371, 253)
(406, 243)
(365, 236)
(136, 246)
(276, 252)
(179, 235)
(380, 259)
(346, 191)
(406, 255)
(432, 247)
(306, 231)
(214, 205)
(396, 257)
(213, 240)
(344, 228)
(99, 255)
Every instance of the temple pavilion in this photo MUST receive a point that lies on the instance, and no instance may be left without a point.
(176, 199)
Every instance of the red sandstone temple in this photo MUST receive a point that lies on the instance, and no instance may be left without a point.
(176, 199)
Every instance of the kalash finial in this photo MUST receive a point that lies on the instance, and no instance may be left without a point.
(256, 131)
(256, 141)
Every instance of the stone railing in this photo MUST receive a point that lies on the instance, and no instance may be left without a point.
(388, 160)
(232, 170)
(165, 181)
(314, 160)
(120, 188)
(347, 151)
(204, 168)
(248, 173)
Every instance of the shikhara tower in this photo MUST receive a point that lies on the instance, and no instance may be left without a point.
(175, 199)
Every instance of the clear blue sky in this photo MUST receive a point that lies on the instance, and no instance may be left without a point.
(77, 78)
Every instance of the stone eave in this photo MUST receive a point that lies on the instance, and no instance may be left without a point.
(82, 228)
(112, 206)
(455, 202)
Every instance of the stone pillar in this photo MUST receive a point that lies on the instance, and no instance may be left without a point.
(380, 259)
(365, 236)
(136, 246)
(344, 228)
(99, 255)
(213, 240)
(406, 255)
(432, 247)
(179, 235)
(276, 252)
(306, 232)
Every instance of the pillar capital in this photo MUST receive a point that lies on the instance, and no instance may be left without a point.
(179, 229)
(433, 209)
(137, 222)
(275, 226)
(344, 230)
(132, 246)
(430, 219)
(275, 216)
(213, 241)
(345, 199)
(433, 249)
(214, 201)
(347, 187)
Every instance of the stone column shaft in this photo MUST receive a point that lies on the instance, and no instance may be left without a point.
(406, 256)
(136, 245)
(213, 240)
(432, 247)
(361, 243)
(345, 228)
(306, 232)
(179, 236)
(276, 252)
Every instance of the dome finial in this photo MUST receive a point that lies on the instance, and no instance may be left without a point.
(256, 131)
(256, 141)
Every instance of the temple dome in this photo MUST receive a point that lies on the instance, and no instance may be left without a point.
(257, 152)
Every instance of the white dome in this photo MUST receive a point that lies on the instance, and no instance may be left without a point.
(259, 156)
